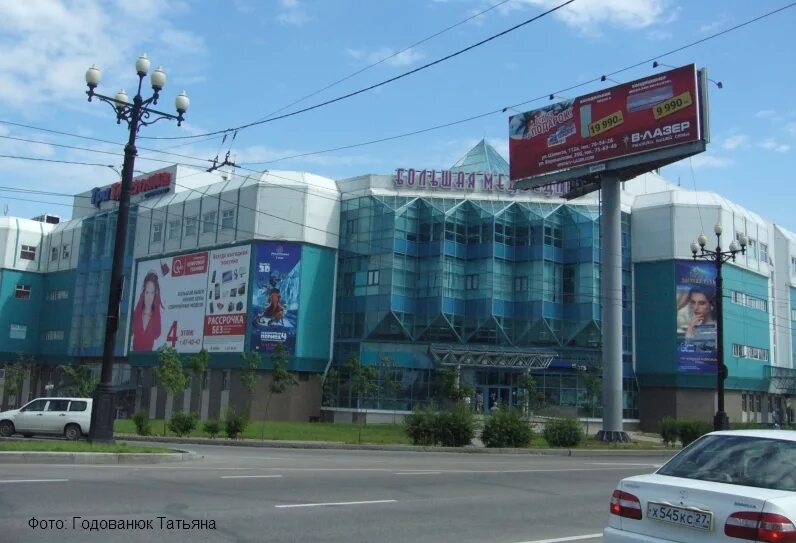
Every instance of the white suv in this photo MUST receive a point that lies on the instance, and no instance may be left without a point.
(70, 417)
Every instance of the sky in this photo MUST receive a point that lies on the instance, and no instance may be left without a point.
(242, 61)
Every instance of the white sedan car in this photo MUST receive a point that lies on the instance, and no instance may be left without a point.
(726, 486)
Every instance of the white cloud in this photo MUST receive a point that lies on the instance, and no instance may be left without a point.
(588, 15)
(766, 114)
(738, 141)
(710, 161)
(48, 44)
(292, 13)
(711, 26)
(387, 55)
(770, 144)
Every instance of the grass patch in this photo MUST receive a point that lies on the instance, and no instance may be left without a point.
(75, 446)
(376, 434)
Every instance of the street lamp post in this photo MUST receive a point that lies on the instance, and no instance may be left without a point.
(136, 115)
(719, 257)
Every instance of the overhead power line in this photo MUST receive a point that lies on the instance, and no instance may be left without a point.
(369, 88)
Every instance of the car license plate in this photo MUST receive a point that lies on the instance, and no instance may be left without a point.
(682, 516)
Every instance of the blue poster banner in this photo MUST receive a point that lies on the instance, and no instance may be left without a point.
(275, 296)
(696, 317)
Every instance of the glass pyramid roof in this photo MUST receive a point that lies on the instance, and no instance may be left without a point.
(482, 158)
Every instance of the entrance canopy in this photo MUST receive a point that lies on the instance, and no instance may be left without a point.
(488, 356)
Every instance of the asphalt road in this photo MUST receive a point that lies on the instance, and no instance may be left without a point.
(287, 495)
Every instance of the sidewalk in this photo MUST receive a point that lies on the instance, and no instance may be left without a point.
(476, 447)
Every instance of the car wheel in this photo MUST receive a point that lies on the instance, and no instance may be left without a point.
(72, 432)
(6, 428)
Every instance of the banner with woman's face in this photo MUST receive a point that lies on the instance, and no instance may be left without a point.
(696, 317)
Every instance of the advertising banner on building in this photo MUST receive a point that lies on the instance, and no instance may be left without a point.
(191, 301)
(643, 115)
(275, 298)
(696, 317)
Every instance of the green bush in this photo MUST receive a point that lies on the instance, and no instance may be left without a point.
(212, 427)
(564, 432)
(182, 423)
(506, 428)
(670, 430)
(689, 430)
(455, 428)
(420, 426)
(235, 423)
(143, 426)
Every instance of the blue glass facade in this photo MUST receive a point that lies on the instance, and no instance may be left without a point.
(511, 275)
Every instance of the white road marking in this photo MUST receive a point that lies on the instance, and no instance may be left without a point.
(250, 476)
(562, 539)
(332, 503)
(419, 473)
(34, 481)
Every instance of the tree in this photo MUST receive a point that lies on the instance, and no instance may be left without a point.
(331, 382)
(281, 378)
(592, 379)
(170, 373)
(81, 381)
(391, 381)
(452, 387)
(248, 375)
(198, 365)
(533, 399)
(15, 373)
(363, 383)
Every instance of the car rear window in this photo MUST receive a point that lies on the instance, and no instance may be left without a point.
(738, 460)
(77, 406)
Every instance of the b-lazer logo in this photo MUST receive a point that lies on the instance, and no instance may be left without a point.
(668, 130)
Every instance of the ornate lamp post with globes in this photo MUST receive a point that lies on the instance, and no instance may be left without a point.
(719, 257)
(136, 115)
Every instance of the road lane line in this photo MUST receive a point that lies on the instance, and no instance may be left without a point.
(34, 481)
(420, 473)
(332, 503)
(250, 476)
(562, 539)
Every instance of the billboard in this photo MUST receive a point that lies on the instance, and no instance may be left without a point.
(643, 115)
(191, 301)
(275, 296)
(696, 317)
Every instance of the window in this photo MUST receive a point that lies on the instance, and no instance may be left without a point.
(66, 251)
(54, 254)
(349, 279)
(747, 300)
(60, 294)
(751, 249)
(373, 277)
(28, 252)
(78, 406)
(58, 405)
(764, 252)
(208, 222)
(471, 282)
(228, 219)
(173, 229)
(521, 284)
(351, 226)
(793, 265)
(157, 232)
(753, 353)
(552, 236)
(22, 292)
(53, 335)
(18, 331)
(191, 226)
(35, 406)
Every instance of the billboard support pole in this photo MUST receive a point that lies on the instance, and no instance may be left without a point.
(611, 298)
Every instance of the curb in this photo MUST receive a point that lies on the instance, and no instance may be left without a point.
(44, 457)
(275, 444)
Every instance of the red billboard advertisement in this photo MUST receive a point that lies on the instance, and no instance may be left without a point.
(643, 115)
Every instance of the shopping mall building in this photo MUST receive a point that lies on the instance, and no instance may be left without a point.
(421, 274)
